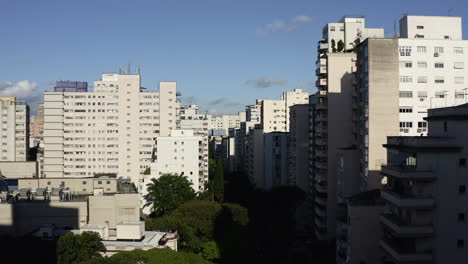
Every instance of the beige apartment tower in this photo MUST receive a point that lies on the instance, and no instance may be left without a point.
(109, 131)
(15, 130)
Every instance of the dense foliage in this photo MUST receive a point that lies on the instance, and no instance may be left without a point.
(219, 182)
(79, 249)
(168, 192)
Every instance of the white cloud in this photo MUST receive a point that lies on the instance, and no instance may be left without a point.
(265, 82)
(281, 25)
(22, 90)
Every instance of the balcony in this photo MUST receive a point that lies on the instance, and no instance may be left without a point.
(320, 188)
(405, 254)
(321, 153)
(405, 229)
(321, 142)
(322, 46)
(407, 201)
(319, 211)
(407, 172)
(321, 165)
(321, 201)
(319, 223)
(321, 82)
(321, 70)
(321, 106)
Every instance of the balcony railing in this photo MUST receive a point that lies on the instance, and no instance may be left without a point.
(403, 228)
(407, 200)
(404, 254)
(407, 172)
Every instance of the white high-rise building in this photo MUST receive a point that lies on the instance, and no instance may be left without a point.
(109, 131)
(190, 118)
(226, 122)
(425, 214)
(178, 154)
(14, 135)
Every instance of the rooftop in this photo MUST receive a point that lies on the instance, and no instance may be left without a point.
(422, 143)
(459, 112)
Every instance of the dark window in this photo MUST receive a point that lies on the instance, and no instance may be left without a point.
(462, 163)
(99, 182)
(460, 243)
(461, 218)
(108, 182)
(445, 126)
(84, 182)
(420, 27)
(461, 189)
(48, 183)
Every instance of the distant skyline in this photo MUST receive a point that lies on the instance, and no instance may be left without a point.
(223, 53)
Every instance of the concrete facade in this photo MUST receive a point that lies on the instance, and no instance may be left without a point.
(111, 130)
(14, 136)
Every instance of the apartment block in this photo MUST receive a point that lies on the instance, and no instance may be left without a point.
(190, 118)
(111, 130)
(400, 78)
(298, 146)
(425, 193)
(15, 130)
(275, 160)
(178, 154)
(226, 122)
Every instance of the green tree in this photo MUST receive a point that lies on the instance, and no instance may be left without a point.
(168, 192)
(157, 256)
(218, 187)
(210, 251)
(333, 44)
(340, 45)
(79, 249)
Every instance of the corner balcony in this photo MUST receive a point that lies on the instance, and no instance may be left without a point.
(405, 229)
(322, 70)
(407, 172)
(322, 46)
(321, 201)
(320, 223)
(319, 211)
(407, 201)
(321, 82)
(320, 188)
(403, 254)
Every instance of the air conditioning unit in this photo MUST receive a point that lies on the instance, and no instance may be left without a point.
(436, 54)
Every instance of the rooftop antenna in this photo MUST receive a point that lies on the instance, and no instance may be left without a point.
(138, 70)
(128, 72)
(395, 34)
(121, 70)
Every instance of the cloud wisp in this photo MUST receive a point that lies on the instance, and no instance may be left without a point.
(265, 82)
(22, 90)
(282, 25)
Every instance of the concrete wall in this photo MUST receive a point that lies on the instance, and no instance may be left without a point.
(112, 210)
(19, 169)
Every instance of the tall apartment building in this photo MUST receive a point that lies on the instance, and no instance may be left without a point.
(179, 153)
(15, 130)
(298, 146)
(226, 122)
(400, 78)
(37, 125)
(425, 215)
(109, 131)
(190, 118)
(331, 116)
(275, 113)
(253, 117)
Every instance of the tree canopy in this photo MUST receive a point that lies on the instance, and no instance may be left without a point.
(79, 249)
(168, 192)
(219, 181)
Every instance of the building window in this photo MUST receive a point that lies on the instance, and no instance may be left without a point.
(459, 80)
(462, 161)
(99, 182)
(459, 65)
(439, 79)
(461, 189)
(421, 49)
(406, 124)
(405, 50)
(438, 51)
(422, 64)
(332, 28)
(420, 27)
(458, 50)
(406, 109)
(439, 65)
(460, 243)
(445, 126)
(406, 64)
(108, 182)
(84, 182)
(422, 124)
(461, 218)
(406, 94)
(406, 79)
(48, 183)
(422, 79)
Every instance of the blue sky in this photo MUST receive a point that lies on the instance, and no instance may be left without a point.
(223, 53)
